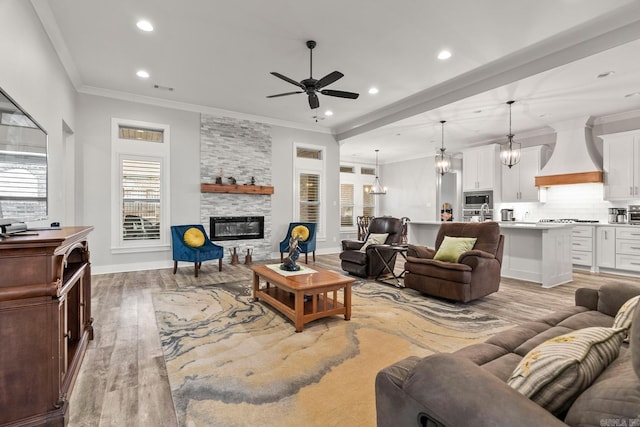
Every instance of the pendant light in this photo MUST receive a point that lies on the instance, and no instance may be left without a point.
(510, 150)
(443, 161)
(377, 188)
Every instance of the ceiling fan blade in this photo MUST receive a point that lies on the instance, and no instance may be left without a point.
(287, 79)
(313, 101)
(328, 79)
(340, 93)
(284, 94)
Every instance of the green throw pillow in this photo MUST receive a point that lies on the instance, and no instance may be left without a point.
(452, 247)
(625, 314)
(555, 372)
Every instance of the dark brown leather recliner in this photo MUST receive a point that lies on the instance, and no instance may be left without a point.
(477, 272)
(367, 263)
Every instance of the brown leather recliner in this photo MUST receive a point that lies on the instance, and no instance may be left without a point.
(367, 263)
(477, 272)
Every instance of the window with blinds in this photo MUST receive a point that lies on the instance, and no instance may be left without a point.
(141, 189)
(346, 205)
(23, 185)
(309, 197)
(368, 201)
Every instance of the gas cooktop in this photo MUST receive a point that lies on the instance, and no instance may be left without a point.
(569, 220)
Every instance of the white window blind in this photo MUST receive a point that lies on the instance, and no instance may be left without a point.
(141, 189)
(368, 201)
(23, 185)
(346, 205)
(309, 197)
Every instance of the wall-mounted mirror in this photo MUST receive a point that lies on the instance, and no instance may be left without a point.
(23, 163)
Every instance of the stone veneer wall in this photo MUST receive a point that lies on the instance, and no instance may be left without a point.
(241, 149)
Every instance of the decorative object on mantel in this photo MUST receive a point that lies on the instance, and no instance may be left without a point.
(298, 234)
(377, 188)
(443, 161)
(253, 180)
(510, 150)
(236, 189)
(219, 180)
(232, 180)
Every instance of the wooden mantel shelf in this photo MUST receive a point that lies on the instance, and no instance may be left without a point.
(236, 189)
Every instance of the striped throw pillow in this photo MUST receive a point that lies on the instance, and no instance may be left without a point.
(625, 314)
(554, 373)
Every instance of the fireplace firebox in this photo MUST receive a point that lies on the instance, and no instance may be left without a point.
(236, 227)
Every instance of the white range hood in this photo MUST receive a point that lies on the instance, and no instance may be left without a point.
(575, 158)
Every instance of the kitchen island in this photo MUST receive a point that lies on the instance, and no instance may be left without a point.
(535, 252)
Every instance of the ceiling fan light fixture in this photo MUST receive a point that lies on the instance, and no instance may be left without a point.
(377, 188)
(444, 54)
(443, 160)
(510, 150)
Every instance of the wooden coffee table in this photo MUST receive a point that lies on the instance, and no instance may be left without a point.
(287, 295)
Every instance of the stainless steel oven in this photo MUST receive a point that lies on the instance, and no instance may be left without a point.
(472, 203)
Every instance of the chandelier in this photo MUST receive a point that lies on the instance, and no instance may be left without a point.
(510, 150)
(443, 161)
(377, 188)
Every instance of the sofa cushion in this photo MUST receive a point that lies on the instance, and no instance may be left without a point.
(614, 395)
(554, 373)
(611, 296)
(193, 237)
(452, 247)
(374, 239)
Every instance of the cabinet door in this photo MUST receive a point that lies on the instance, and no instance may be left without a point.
(529, 168)
(511, 183)
(618, 160)
(606, 247)
(486, 168)
(470, 170)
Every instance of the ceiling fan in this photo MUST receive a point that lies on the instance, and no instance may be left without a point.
(312, 86)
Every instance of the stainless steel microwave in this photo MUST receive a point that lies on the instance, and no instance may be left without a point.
(475, 199)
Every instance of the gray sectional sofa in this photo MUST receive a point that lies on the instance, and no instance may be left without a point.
(469, 387)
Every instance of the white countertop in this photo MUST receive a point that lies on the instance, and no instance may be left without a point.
(539, 225)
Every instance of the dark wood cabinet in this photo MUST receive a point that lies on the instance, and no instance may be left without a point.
(45, 323)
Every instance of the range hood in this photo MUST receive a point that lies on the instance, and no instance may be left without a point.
(575, 159)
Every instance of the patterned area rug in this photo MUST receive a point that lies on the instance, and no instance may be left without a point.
(235, 362)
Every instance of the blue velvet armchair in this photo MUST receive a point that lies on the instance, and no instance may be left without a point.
(305, 247)
(184, 252)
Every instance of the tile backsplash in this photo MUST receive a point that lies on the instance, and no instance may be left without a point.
(580, 201)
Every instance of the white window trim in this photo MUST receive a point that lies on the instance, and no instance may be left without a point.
(139, 150)
(311, 166)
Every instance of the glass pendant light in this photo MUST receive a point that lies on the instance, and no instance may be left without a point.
(377, 188)
(443, 161)
(510, 150)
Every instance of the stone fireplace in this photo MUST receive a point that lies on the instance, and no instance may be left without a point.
(240, 149)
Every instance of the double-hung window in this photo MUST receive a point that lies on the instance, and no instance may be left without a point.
(309, 186)
(355, 199)
(140, 190)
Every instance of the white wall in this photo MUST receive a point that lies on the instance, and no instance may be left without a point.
(32, 75)
(411, 189)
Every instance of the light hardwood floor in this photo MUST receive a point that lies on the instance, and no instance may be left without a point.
(123, 380)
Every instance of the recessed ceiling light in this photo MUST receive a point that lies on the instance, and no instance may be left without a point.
(144, 25)
(444, 54)
(373, 90)
(328, 113)
(629, 95)
(605, 74)
(142, 74)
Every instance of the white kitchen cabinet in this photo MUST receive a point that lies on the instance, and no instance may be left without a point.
(582, 245)
(621, 163)
(518, 182)
(606, 247)
(628, 249)
(479, 168)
